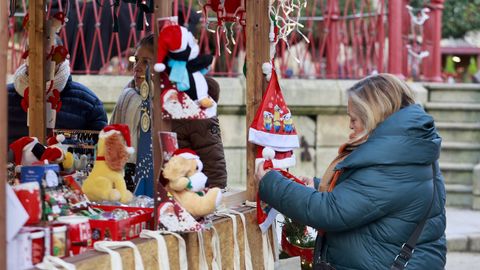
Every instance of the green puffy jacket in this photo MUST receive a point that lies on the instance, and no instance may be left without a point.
(384, 191)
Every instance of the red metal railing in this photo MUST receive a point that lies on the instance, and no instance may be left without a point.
(350, 41)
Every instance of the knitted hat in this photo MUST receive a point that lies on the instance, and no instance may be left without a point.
(123, 130)
(187, 153)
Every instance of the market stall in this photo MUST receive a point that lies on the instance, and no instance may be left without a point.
(231, 238)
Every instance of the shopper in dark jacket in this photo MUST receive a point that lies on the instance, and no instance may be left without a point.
(80, 107)
(380, 188)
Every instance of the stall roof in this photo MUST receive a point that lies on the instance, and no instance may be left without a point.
(458, 46)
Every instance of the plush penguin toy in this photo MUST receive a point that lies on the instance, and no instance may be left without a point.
(178, 53)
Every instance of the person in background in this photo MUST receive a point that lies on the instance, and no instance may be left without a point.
(202, 136)
(80, 108)
(385, 179)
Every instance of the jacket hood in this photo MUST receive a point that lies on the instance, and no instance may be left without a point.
(407, 137)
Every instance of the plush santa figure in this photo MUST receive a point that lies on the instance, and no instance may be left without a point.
(199, 179)
(186, 67)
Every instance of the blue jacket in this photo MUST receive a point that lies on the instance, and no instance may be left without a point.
(384, 191)
(81, 109)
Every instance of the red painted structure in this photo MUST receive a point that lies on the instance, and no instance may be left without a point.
(346, 42)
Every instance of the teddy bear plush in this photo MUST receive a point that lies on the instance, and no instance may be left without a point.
(106, 182)
(186, 183)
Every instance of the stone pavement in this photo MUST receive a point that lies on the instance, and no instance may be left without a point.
(463, 230)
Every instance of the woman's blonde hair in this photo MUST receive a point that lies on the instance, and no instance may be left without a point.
(377, 97)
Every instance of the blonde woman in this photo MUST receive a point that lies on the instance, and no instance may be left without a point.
(384, 181)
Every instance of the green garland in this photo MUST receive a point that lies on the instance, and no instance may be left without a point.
(297, 235)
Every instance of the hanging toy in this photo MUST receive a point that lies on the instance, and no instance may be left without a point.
(285, 19)
(178, 53)
(274, 133)
(233, 11)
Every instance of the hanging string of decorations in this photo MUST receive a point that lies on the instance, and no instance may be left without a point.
(285, 20)
(232, 12)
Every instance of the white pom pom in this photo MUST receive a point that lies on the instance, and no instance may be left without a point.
(130, 150)
(267, 68)
(159, 67)
(60, 138)
(268, 153)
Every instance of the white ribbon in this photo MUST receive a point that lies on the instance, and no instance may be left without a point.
(268, 260)
(115, 258)
(51, 263)
(163, 261)
(217, 252)
(248, 257)
(202, 258)
(236, 250)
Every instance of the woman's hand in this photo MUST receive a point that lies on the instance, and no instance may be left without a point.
(260, 172)
(308, 181)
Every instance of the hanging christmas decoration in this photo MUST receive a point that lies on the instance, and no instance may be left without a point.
(232, 11)
(274, 133)
(284, 20)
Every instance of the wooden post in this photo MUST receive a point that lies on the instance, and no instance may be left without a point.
(257, 29)
(36, 71)
(3, 134)
(395, 44)
(163, 8)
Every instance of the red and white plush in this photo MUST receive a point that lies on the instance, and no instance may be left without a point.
(28, 150)
(177, 43)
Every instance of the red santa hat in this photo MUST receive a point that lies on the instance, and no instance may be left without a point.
(53, 140)
(121, 129)
(172, 38)
(189, 154)
(273, 130)
(272, 125)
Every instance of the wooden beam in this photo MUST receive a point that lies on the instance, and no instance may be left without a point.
(257, 29)
(163, 8)
(3, 133)
(36, 70)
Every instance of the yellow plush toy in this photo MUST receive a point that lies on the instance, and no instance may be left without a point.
(187, 183)
(106, 182)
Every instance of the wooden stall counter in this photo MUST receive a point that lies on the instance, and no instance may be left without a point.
(94, 260)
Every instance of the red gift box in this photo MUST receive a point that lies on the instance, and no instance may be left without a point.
(124, 229)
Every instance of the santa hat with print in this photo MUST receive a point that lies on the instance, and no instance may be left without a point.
(273, 130)
(174, 39)
(121, 129)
